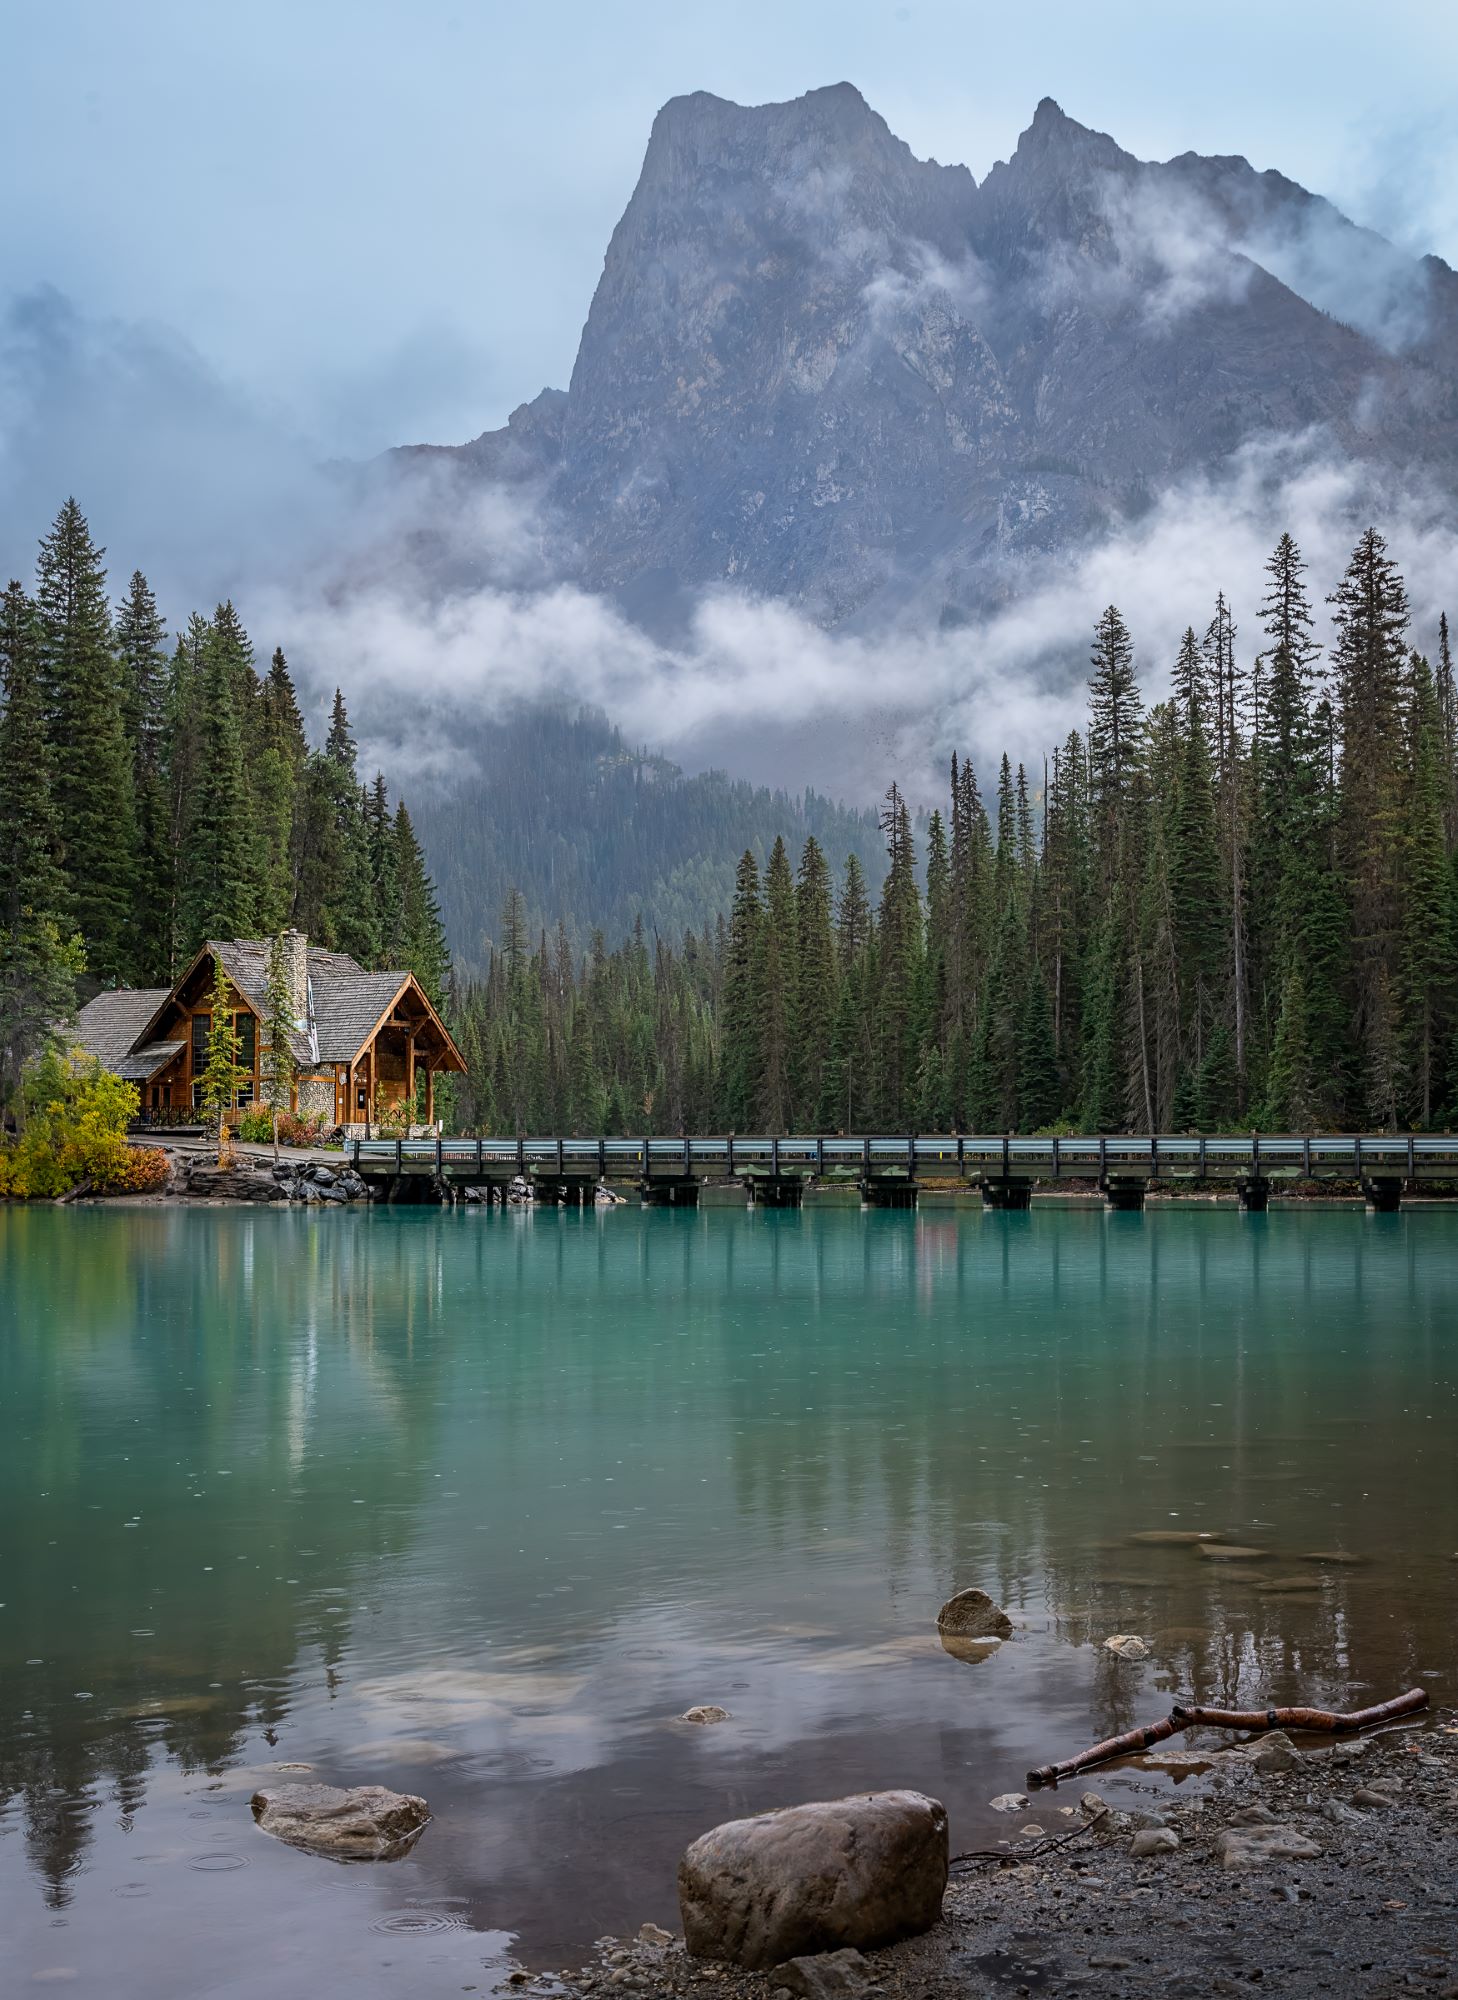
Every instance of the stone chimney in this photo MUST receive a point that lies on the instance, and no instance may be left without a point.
(296, 971)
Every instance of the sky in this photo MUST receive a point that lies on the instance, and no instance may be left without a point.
(242, 245)
(368, 222)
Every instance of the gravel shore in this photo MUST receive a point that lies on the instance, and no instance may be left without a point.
(1374, 1912)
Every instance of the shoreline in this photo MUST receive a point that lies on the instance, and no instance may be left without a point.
(1374, 1913)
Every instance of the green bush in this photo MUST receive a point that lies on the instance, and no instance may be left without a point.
(76, 1116)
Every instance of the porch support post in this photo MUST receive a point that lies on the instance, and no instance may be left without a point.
(430, 1096)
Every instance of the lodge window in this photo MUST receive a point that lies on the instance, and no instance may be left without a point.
(245, 1026)
(200, 1026)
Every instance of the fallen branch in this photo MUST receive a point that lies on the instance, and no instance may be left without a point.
(1188, 1716)
(1005, 1858)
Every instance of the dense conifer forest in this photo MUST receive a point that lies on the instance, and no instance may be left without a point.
(1234, 908)
(154, 794)
(596, 833)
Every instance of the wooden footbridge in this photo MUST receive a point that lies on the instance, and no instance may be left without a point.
(890, 1171)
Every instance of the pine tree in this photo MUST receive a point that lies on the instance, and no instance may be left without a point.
(898, 951)
(1114, 713)
(426, 952)
(1427, 936)
(815, 993)
(221, 1077)
(1370, 657)
(141, 649)
(219, 896)
(39, 958)
(91, 761)
(741, 1060)
(775, 985)
(278, 1064)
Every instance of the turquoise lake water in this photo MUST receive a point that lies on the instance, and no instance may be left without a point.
(476, 1503)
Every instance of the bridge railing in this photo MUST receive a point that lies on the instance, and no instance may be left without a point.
(971, 1157)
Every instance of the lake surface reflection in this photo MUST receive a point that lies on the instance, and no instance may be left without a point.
(475, 1504)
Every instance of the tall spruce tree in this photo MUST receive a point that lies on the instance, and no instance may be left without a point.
(39, 957)
(91, 759)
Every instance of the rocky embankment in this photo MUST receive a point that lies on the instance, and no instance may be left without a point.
(1311, 1868)
(305, 1181)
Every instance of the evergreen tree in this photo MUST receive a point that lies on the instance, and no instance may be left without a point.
(278, 1065)
(741, 1020)
(39, 958)
(222, 1077)
(815, 991)
(91, 761)
(141, 634)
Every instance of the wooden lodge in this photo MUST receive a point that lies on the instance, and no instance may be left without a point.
(361, 1040)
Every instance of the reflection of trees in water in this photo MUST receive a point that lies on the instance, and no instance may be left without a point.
(919, 1385)
(149, 1352)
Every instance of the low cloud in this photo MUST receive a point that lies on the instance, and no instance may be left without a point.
(758, 687)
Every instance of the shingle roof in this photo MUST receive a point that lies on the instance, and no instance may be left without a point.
(347, 1004)
(107, 1026)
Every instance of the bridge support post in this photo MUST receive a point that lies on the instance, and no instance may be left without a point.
(1384, 1197)
(1124, 1196)
(882, 1192)
(1255, 1195)
(1008, 1194)
(670, 1194)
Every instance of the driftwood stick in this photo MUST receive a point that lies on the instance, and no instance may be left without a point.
(1008, 1858)
(1112, 1746)
(1188, 1716)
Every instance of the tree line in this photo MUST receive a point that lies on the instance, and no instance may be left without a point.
(154, 796)
(1234, 908)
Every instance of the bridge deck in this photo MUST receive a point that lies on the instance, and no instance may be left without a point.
(1414, 1157)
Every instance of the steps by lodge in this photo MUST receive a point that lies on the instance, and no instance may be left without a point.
(890, 1170)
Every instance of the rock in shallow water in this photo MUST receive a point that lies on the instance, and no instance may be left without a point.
(858, 1872)
(972, 1614)
(1127, 1646)
(706, 1711)
(366, 1823)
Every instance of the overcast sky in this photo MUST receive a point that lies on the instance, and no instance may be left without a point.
(375, 221)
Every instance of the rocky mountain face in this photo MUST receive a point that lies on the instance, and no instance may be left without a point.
(821, 369)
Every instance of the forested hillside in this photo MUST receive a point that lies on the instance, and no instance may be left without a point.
(1233, 908)
(154, 794)
(596, 834)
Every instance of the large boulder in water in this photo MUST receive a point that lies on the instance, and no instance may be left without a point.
(858, 1872)
(366, 1823)
(972, 1614)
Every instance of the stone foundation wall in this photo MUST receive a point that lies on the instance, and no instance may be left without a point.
(316, 1094)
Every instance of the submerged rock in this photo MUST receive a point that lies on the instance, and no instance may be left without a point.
(1009, 1802)
(972, 1614)
(1291, 1586)
(969, 1650)
(815, 1878)
(1127, 1646)
(706, 1712)
(365, 1823)
(1336, 1558)
(1228, 1552)
(1172, 1537)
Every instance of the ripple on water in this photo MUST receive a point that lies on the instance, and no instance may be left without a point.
(418, 1923)
(216, 1864)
